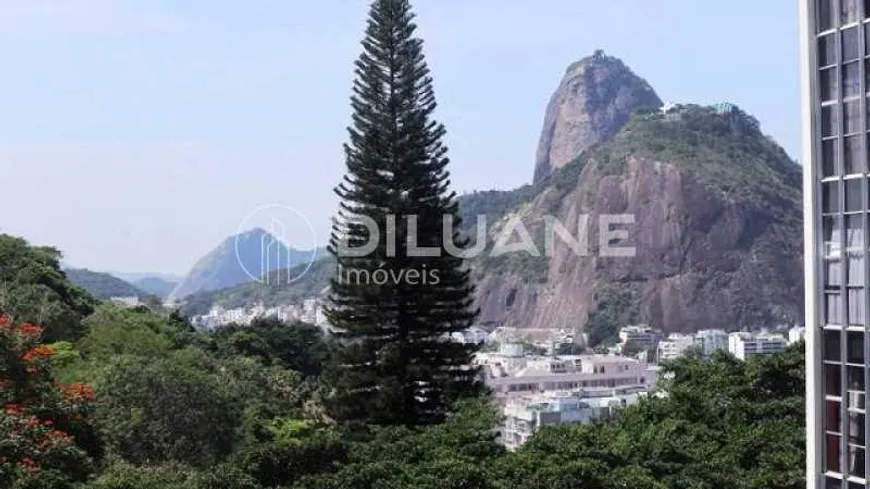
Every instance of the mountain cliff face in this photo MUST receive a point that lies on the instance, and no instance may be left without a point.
(591, 104)
(239, 259)
(716, 210)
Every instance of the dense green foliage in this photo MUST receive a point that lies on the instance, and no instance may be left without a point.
(399, 364)
(33, 288)
(103, 285)
(243, 408)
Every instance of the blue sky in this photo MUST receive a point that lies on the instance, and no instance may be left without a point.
(136, 135)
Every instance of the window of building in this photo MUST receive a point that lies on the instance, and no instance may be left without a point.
(851, 79)
(832, 416)
(857, 312)
(830, 197)
(853, 196)
(856, 462)
(831, 339)
(833, 273)
(832, 453)
(855, 382)
(827, 50)
(830, 121)
(829, 158)
(833, 376)
(854, 155)
(851, 44)
(825, 14)
(831, 236)
(829, 83)
(852, 117)
(848, 11)
(833, 313)
(855, 347)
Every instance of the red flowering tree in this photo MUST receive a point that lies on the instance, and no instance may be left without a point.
(38, 417)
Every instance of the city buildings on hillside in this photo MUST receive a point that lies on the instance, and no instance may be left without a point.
(128, 302)
(834, 40)
(675, 346)
(744, 345)
(526, 414)
(310, 311)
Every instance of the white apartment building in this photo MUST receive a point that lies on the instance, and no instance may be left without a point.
(711, 340)
(511, 375)
(524, 415)
(675, 346)
(744, 345)
(639, 337)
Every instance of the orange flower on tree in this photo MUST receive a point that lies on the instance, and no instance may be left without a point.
(31, 330)
(41, 351)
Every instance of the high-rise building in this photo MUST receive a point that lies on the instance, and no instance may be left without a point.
(835, 42)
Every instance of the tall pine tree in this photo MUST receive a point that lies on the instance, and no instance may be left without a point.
(395, 311)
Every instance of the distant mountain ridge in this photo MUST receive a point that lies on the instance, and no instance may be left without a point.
(102, 285)
(239, 259)
(156, 286)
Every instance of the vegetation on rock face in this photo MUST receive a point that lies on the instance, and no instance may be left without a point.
(33, 288)
(616, 308)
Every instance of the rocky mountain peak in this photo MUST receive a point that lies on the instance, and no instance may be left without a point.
(592, 103)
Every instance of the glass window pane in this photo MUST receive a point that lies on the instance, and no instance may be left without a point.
(856, 428)
(832, 453)
(833, 375)
(854, 153)
(832, 416)
(856, 461)
(834, 313)
(852, 116)
(856, 308)
(831, 236)
(830, 197)
(833, 273)
(825, 11)
(832, 345)
(832, 483)
(854, 194)
(855, 384)
(851, 79)
(830, 121)
(851, 44)
(829, 84)
(827, 50)
(855, 347)
(829, 157)
(848, 11)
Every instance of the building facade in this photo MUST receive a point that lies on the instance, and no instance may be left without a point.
(525, 415)
(834, 42)
(709, 341)
(675, 346)
(744, 345)
(509, 375)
